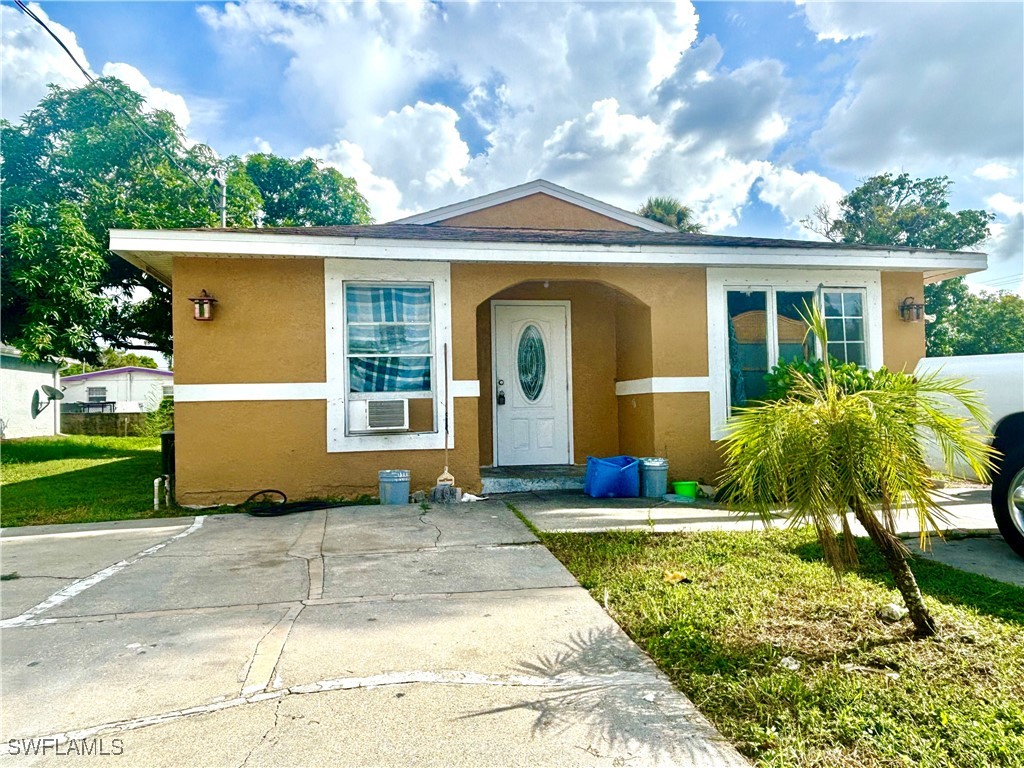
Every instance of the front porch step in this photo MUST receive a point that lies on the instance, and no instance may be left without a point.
(568, 477)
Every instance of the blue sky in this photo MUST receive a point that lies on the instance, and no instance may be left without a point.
(751, 113)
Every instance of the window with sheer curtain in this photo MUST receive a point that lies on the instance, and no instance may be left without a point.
(389, 339)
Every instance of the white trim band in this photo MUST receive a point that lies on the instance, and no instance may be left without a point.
(663, 385)
(219, 393)
(466, 388)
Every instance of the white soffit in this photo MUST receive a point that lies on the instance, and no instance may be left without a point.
(153, 251)
(532, 188)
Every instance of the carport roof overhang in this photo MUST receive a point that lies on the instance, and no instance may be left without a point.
(153, 251)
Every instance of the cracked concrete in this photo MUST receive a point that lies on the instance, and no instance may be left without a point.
(356, 636)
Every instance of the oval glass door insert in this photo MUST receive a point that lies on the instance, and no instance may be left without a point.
(532, 362)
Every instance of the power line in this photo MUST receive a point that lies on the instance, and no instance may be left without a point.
(99, 84)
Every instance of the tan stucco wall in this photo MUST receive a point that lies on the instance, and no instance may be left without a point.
(903, 342)
(537, 211)
(226, 451)
(628, 323)
(595, 411)
(268, 321)
(677, 299)
(269, 327)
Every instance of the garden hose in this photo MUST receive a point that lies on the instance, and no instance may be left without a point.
(273, 503)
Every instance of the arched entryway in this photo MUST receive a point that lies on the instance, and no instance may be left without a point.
(548, 393)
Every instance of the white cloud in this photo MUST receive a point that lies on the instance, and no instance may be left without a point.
(934, 84)
(156, 98)
(575, 93)
(1005, 256)
(797, 194)
(1004, 204)
(995, 172)
(417, 146)
(383, 196)
(30, 60)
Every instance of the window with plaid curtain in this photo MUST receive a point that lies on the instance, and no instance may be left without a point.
(388, 332)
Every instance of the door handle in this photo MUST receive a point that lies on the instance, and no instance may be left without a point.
(501, 397)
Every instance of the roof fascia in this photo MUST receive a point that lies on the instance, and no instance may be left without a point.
(110, 371)
(135, 243)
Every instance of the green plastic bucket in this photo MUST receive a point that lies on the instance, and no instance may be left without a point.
(685, 488)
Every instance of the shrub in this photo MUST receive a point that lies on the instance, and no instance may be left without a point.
(160, 419)
(849, 377)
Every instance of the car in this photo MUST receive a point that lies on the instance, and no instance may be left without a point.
(1000, 381)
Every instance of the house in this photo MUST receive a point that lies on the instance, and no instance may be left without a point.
(24, 409)
(532, 326)
(130, 389)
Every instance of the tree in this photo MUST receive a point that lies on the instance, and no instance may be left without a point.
(898, 210)
(668, 210)
(79, 165)
(111, 358)
(299, 193)
(824, 451)
(75, 167)
(987, 324)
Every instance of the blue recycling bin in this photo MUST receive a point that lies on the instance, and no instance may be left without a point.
(612, 478)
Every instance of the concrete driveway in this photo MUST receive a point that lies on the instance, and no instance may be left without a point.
(357, 636)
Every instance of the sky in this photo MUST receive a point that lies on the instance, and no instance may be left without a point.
(751, 113)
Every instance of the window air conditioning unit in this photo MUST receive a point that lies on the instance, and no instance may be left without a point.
(378, 415)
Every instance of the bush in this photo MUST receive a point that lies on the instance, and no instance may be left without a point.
(850, 377)
(159, 420)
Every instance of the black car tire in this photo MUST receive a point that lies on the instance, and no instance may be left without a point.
(1010, 518)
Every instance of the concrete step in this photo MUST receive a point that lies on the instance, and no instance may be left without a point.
(532, 478)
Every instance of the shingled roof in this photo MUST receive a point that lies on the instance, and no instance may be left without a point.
(433, 232)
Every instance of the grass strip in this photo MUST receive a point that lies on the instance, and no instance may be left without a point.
(727, 614)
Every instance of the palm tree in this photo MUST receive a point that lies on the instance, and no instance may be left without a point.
(824, 451)
(668, 210)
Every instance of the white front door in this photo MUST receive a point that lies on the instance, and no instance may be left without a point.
(531, 383)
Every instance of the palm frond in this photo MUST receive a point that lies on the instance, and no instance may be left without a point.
(821, 451)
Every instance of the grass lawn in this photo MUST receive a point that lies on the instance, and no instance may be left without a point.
(78, 479)
(865, 692)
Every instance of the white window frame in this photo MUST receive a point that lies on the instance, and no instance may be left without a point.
(167, 390)
(844, 318)
(722, 280)
(338, 273)
(89, 394)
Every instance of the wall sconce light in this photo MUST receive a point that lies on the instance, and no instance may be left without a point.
(911, 312)
(203, 306)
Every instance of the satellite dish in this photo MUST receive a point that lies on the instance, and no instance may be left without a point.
(52, 393)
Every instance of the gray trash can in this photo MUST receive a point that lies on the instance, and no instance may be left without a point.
(394, 486)
(653, 477)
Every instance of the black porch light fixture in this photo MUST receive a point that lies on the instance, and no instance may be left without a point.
(910, 311)
(203, 304)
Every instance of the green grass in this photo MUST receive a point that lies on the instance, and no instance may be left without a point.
(88, 479)
(866, 693)
(79, 479)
